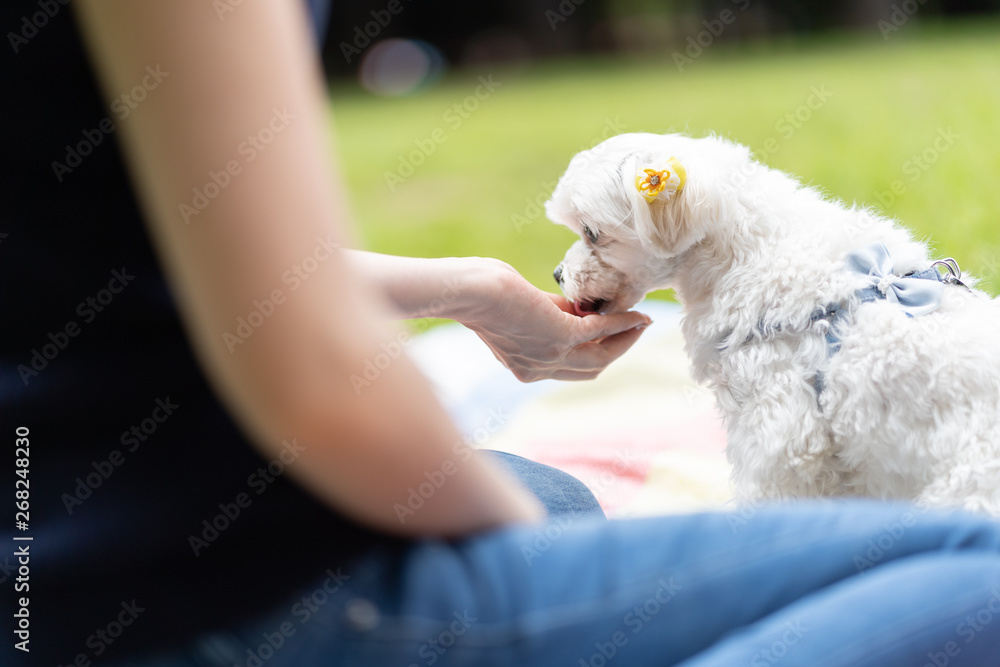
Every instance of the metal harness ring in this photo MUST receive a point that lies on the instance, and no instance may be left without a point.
(954, 272)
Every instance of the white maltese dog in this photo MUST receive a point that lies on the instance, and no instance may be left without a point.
(844, 359)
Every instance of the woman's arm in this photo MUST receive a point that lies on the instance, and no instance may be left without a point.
(534, 333)
(242, 97)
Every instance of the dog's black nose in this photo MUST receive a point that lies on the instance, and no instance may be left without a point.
(557, 274)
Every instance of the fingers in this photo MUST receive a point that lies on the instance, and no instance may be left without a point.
(574, 348)
(616, 345)
(584, 362)
(563, 374)
(588, 360)
(598, 326)
(575, 376)
(562, 303)
(595, 356)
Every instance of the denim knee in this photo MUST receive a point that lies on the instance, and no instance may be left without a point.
(558, 491)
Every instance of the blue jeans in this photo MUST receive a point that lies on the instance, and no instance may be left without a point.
(560, 492)
(819, 584)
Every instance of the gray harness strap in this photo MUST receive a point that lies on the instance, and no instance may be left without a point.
(917, 292)
(836, 313)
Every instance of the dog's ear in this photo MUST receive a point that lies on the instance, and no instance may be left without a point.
(676, 223)
(587, 185)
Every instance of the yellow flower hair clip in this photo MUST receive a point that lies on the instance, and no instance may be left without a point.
(668, 181)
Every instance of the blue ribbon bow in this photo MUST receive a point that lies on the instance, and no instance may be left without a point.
(918, 294)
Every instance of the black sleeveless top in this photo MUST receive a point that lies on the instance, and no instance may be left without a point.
(135, 471)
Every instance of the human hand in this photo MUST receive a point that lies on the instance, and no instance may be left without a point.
(537, 335)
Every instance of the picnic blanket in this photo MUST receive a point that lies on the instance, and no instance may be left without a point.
(643, 436)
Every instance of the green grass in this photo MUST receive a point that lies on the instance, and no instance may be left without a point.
(888, 103)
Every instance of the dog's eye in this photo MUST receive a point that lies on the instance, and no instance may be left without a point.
(590, 234)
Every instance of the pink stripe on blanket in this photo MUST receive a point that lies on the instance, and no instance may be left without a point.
(616, 465)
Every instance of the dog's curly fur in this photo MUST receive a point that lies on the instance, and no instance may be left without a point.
(911, 406)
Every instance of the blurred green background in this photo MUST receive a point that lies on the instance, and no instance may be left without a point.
(480, 191)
